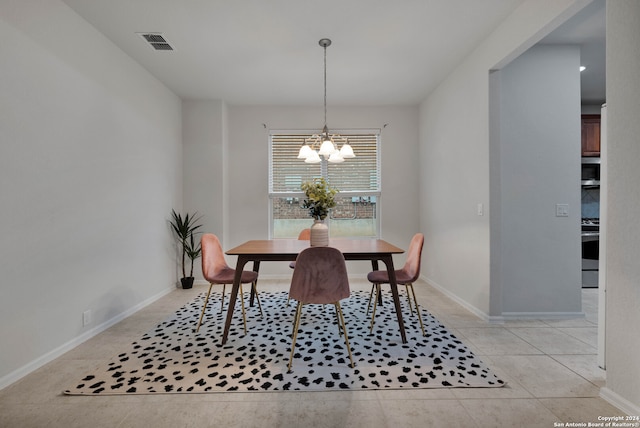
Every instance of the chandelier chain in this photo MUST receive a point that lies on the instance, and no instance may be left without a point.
(328, 144)
(325, 85)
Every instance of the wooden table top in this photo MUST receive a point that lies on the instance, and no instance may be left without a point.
(294, 246)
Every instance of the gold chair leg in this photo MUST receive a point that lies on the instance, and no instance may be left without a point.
(338, 321)
(344, 328)
(370, 295)
(417, 309)
(224, 286)
(296, 325)
(244, 316)
(204, 307)
(406, 287)
(375, 305)
(293, 324)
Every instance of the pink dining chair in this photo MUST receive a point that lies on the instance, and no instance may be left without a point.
(405, 276)
(320, 277)
(216, 271)
(304, 235)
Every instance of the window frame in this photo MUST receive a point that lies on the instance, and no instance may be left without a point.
(272, 195)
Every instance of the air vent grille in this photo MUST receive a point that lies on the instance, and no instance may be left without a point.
(157, 41)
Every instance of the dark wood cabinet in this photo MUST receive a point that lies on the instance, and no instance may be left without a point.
(590, 135)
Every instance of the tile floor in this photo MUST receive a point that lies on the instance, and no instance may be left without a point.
(550, 368)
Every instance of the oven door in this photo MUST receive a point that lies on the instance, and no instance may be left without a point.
(590, 255)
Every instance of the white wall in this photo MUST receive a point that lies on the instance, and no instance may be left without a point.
(623, 208)
(539, 167)
(90, 167)
(454, 156)
(245, 186)
(204, 166)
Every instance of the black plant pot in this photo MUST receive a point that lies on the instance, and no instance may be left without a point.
(187, 282)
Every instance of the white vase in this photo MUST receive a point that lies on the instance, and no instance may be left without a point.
(319, 234)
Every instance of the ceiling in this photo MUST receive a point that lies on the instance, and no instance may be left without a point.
(587, 29)
(256, 52)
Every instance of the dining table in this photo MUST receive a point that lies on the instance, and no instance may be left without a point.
(256, 251)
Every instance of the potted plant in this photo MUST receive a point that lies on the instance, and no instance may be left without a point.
(185, 228)
(320, 198)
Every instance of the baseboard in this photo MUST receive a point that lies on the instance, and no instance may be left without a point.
(617, 401)
(477, 312)
(506, 316)
(510, 316)
(61, 350)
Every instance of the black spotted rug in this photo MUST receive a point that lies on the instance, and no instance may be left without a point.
(172, 358)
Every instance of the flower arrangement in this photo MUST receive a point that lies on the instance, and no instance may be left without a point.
(320, 197)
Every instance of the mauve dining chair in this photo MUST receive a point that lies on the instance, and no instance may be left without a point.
(320, 277)
(405, 276)
(216, 271)
(304, 235)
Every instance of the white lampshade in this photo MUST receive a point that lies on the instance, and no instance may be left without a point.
(336, 157)
(326, 148)
(313, 157)
(346, 151)
(305, 151)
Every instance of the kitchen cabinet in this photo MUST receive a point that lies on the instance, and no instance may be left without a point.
(590, 135)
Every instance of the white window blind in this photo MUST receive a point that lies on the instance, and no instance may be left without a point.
(359, 174)
(286, 172)
(358, 179)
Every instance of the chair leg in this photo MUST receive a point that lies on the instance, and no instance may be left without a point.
(375, 305)
(204, 307)
(338, 321)
(296, 325)
(406, 287)
(370, 296)
(417, 309)
(244, 316)
(224, 286)
(344, 328)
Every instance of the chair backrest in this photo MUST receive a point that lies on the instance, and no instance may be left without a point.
(213, 262)
(414, 255)
(320, 276)
(305, 235)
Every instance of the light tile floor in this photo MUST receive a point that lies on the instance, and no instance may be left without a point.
(550, 368)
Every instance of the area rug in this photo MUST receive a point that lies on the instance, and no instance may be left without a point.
(172, 358)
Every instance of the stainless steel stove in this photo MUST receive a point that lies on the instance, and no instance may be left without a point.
(590, 251)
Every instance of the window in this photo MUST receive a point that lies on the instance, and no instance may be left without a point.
(358, 179)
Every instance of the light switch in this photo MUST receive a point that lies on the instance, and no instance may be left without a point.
(480, 209)
(562, 210)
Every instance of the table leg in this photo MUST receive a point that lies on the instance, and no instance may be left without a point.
(388, 261)
(256, 268)
(242, 260)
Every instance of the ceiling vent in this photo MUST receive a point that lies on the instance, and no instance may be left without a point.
(157, 41)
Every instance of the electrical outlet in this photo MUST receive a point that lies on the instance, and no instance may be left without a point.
(480, 209)
(86, 317)
(562, 210)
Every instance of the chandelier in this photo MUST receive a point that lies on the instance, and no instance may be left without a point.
(325, 144)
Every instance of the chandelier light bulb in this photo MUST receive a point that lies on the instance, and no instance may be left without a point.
(305, 152)
(346, 151)
(313, 157)
(336, 157)
(326, 148)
